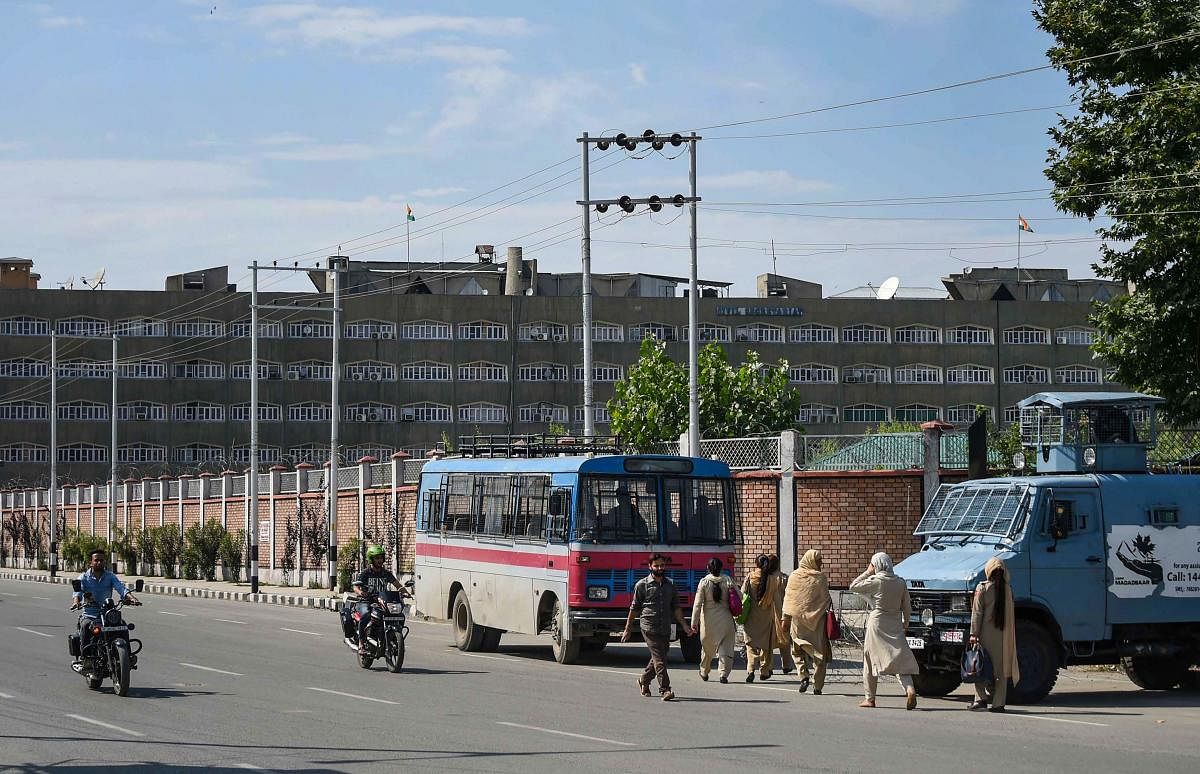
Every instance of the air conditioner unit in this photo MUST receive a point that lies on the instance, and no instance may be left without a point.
(408, 415)
(561, 336)
(375, 376)
(374, 415)
(359, 416)
(1031, 378)
(293, 376)
(356, 376)
(306, 330)
(1060, 339)
(376, 334)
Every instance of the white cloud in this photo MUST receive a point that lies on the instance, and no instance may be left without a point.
(56, 22)
(525, 102)
(12, 145)
(349, 151)
(43, 182)
(905, 10)
(434, 193)
(638, 73)
(284, 138)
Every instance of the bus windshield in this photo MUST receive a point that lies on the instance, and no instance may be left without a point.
(698, 511)
(616, 509)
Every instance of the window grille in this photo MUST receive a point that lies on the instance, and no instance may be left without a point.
(425, 412)
(759, 333)
(813, 333)
(1082, 337)
(84, 369)
(267, 412)
(266, 370)
(425, 371)
(543, 372)
(1026, 374)
(142, 369)
(196, 453)
(864, 334)
(310, 329)
(369, 411)
(483, 413)
(266, 330)
(24, 326)
(866, 374)
(371, 371)
(198, 411)
(198, 328)
(916, 412)
(24, 410)
(82, 452)
(133, 453)
(817, 414)
(653, 330)
(542, 331)
(968, 374)
(25, 452)
(1024, 334)
(542, 413)
(199, 369)
(969, 334)
(482, 330)
(311, 370)
(1077, 374)
(601, 372)
(813, 373)
(83, 411)
(141, 326)
(82, 326)
(369, 329)
(706, 332)
(24, 368)
(425, 329)
(601, 331)
(310, 411)
(600, 415)
(918, 334)
(141, 411)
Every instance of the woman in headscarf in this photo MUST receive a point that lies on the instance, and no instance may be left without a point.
(885, 649)
(993, 625)
(713, 619)
(759, 594)
(805, 604)
(783, 641)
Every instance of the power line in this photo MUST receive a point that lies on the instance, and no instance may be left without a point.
(816, 216)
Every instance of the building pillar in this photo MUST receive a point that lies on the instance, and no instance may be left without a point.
(787, 501)
(932, 432)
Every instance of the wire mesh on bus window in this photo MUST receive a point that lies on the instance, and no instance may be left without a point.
(460, 502)
(495, 508)
(697, 511)
(619, 509)
(533, 505)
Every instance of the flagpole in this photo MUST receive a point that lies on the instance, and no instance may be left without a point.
(407, 244)
(1019, 230)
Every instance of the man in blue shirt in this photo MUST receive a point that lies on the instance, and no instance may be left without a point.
(101, 584)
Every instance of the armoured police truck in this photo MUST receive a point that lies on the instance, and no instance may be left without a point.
(1104, 555)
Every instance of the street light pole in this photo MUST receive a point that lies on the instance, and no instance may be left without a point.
(112, 493)
(589, 427)
(53, 453)
(335, 264)
(693, 314)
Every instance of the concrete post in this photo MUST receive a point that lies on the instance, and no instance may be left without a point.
(94, 499)
(787, 501)
(932, 432)
(275, 484)
(226, 489)
(164, 488)
(364, 483)
(685, 449)
(205, 482)
(397, 481)
(302, 488)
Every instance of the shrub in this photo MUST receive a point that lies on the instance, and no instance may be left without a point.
(124, 547)
(168, 545)
(70, 552)
(347, 562)
(189, 564)
(145, 549)
(204, 541)
(231, 554)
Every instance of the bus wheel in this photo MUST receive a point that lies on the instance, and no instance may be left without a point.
(468, 635)
(1155, 674)
(565, 651)
(1037, 658)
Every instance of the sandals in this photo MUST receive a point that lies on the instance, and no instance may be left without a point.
(911, 702)
(867, 704)
(645, 689)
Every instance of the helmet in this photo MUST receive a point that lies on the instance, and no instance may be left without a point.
(374, 551)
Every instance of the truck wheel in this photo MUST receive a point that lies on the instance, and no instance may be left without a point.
(1154, 674)
(565, 651)
(1037, 658)
(690, 648)
(468, 635)
(936, 684)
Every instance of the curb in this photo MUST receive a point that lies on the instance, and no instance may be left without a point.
(287, 600)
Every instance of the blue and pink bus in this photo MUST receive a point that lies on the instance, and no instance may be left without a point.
(554, 544)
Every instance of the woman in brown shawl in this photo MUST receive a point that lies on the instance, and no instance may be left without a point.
(760, 592)
(783, 641)
(993, 625)
(805, 604)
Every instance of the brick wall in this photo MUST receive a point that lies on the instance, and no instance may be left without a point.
(758, 513)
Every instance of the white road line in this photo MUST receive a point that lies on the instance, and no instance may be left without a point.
(490, 658)
(349, 695)
(109, 726)
(168, 612)
(612, 671)
(31, 631)
(250, 766)
(5, 696)
(226, 620)
(565, 733)
(44, 599)
(300, 631)
(1032, 716)
(210, 669)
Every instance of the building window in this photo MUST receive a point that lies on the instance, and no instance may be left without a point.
(542, 413)
(309, 411)
(312, 453)
(425, 330)
(1077, 374)
(380, 453)
(483, 330)
(24, 410)
(24, 326)
(133, 453)
(601, 372)
(141, 411)
(141, 326)
(195, 453)
(82, 452)
(916, 412)
(813, 333)
(482, 371)
(653, 330)
(199, 369)
(371, 371)
(84, 369)
(1026, 374)
(267, 412)
(482, 413)
(968, 373)
(198, 327)
(369, 411)
(1083, 337)
(24, 368)
(600, 415)
(425, 371)
(310, 369)
(918, 334)
(865, 374)
(817, 414)
(198, 411)
(918, 373)
(542, 372)
(142, 369)
(542, 331)
(1024, 334)
(267, 455)
(1053, 294)
(310, 329)
(969, 334)
(760, 333)
(864, 412)
(24, 452)
(1012, 414)
(813, 373)
(602, 331)
(266, 330)
(962, 414)
(82, 326)
(266, 370)
(83, 411)
(425, 412)
(864, 334)
(370, 329)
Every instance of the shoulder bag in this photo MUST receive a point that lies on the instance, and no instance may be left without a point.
(976, 665)
(833, 627)
(735, 601)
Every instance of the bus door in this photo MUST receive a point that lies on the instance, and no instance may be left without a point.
(558, 524)
(429, 525)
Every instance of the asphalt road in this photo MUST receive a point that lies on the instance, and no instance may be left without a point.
(235, 686)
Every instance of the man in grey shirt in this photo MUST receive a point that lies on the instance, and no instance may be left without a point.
(656, 604)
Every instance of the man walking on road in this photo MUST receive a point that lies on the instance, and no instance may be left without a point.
(656, 605)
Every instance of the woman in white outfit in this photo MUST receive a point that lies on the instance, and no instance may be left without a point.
(712, 617)
(885, 650)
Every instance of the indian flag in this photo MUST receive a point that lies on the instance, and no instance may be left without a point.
(414, 217)
(1022, 224)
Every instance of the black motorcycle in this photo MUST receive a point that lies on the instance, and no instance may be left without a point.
(111, 652)
(386, 630)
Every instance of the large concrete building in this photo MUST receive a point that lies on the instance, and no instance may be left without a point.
(433, 350)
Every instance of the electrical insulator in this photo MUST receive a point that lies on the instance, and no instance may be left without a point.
(677, 139)
(602, 145)
(602, 208)
(655, 203)
(677, 200)
(625, 203)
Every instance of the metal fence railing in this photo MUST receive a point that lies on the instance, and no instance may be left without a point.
(753, 453)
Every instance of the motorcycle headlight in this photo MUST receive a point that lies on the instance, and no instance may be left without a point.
(597, 592)
(927, 617)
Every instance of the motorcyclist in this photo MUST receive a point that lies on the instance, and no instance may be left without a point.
(369, 584)
(100, 583)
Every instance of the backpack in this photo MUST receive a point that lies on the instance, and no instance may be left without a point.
(735, 601)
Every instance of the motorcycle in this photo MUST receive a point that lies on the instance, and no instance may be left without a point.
(111, 651)
(386, 630)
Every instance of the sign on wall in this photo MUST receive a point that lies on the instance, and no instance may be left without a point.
(1148, 561)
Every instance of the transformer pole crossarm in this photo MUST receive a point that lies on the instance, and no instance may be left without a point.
(676, 200)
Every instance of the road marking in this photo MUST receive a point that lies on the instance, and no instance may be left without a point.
(250, 766)
(168, 612)
(226, 620)
(349, 695)
(210, 669)
(612, 671)
(5, 696)
(1032, 716)
(44, 599)
(102, 724)
(31, 631)
(489, 658)
(300, 631)
(565, 733)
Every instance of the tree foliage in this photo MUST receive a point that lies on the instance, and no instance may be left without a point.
(650, 405)
(1132, 152)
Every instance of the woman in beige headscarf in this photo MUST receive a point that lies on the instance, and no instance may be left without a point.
(993, 625)
(885, 648)
(713, 619)
(805, 604)
(760, 593)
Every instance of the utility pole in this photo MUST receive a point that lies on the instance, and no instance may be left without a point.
(335, 266)
(585, 289)
(53, 453)
(693, 314)
(112, 493)
(252, 473)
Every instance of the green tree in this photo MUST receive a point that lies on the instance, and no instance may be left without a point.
(650, 405)
(1132, 153)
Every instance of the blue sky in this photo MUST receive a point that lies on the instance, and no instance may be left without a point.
(152, 138)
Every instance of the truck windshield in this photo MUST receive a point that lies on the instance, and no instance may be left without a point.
(618, 510)
(976, 508)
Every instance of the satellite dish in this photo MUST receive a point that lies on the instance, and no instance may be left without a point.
(888, 288)
(95, 281)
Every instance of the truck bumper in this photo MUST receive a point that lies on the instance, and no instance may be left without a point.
(940, 646)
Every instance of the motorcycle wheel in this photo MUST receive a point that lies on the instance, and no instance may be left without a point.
(121, 667)
(365, 660)
(394, 651)
(94, 683)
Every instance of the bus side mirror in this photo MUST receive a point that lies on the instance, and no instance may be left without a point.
(76, 586)
(138, 585)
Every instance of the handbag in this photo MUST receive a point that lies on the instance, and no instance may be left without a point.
(833, 627)
(976, 665)
(747, 606)
(735, 601)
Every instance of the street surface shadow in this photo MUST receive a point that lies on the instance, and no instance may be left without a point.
(149, 692)
(145, 767)
(710, 700)
(424, 671)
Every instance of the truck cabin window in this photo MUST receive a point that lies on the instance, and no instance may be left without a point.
(1064, 519)
(1164, 516)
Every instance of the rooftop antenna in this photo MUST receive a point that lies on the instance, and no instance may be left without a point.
(888, 288)
(94, 282)
(68, 285)
(774, 267)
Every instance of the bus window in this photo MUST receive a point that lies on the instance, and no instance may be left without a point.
(699, 511)
(460, 503)
(618, 510)
(533, 499)
(431, 514)
(495, 512)
(560, 513)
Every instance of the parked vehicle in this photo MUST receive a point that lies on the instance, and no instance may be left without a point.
(111, 652)
(517, 536)
(1104, 556)
(386, 631)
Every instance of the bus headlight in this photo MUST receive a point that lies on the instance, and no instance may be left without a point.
(927, 617)
(597, 592)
